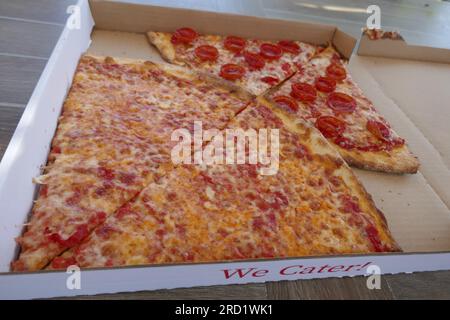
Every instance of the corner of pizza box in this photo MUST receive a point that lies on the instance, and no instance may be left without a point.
(401, 49)
(343, 43)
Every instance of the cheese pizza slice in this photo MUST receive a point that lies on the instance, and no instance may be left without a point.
(256, 65)
(324, 94)
(312, 204)
(113, 138)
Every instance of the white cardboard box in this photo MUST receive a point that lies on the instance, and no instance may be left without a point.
(412, 95)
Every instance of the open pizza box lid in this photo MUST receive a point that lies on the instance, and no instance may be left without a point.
(410, 94)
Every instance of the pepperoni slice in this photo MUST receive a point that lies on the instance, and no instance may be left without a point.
(341, 102)
(331, 127)
(336, 72)
(234, 44)
(303, 92)
(325, 84)
(270, 51)
(378, 129)
(289, 46)
(286, 103)
(232, 71)
(184, 35)
(255, 61)
(270, 80)
(206, 53)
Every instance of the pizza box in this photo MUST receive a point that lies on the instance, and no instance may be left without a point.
(411, 94)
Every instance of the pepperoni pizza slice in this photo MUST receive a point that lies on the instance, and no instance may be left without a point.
(324, 94)
(113, 138)
(256, 65)
(313, 205)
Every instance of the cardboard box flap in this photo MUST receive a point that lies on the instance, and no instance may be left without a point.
(344, 43)
(416, 206)
(30, 144)
(398, 48)
(138, 18)
(427, 113)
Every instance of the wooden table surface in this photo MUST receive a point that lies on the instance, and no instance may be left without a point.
(29, 30)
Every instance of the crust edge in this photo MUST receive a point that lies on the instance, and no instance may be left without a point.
(165, 48)
(402, 161)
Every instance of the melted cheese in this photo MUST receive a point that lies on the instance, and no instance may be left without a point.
(314, 205)
(112, 137)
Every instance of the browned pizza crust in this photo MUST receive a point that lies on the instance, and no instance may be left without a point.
(161, 41)
(400, 160)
